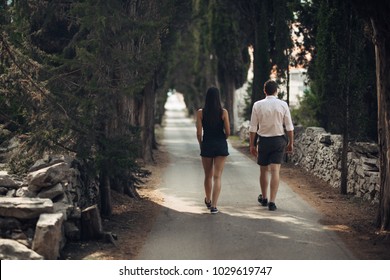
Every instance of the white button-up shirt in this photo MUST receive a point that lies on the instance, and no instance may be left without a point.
(268, 117)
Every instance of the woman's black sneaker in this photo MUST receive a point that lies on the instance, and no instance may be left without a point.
(272, 206)
(262, 201)
(213, 210)
(208, 204)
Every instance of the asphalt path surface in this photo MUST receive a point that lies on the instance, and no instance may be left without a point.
(185, 229)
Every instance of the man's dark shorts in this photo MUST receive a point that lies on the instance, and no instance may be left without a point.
(271, 149)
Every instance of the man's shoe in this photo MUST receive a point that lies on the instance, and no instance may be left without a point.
(272, 206)
(262, 201)
(213, 210)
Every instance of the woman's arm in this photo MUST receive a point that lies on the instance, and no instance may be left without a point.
(225, 117)
(199, 115)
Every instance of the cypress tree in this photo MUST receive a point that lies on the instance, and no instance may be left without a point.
(231, 67)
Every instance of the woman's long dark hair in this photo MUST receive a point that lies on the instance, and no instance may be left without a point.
(212, 110)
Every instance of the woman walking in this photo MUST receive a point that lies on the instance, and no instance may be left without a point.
(212, 130)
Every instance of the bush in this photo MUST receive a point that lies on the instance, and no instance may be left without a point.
(306, 113)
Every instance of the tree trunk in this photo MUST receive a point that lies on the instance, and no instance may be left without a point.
(91, 223)
(148, 121)
(228, 88)
(346, 124)
(105, 194)
(104, 176)
(261, 60)
(257, 89)
(382, 52)
(288, 81)
(344, 165)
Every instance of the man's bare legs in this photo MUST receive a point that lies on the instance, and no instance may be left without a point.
(274, 184)
(213, 168)
(264, 181)
(274, 169)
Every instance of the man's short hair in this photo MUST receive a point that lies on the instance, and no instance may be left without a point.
(270, 87)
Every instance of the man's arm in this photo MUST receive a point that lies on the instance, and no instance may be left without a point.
(253, 126)
(290, 145)
(252, 144)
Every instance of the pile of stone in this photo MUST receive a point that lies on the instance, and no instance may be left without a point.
(319, 153)
(243, 131)
(40, 212)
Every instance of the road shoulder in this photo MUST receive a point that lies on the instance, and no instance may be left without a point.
(351, 218)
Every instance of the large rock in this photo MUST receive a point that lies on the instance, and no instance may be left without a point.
(52, 192)
(314, 131)
(48, 161)
(48, 176)
(24, 208)
(7, 182)
(13, 250)
(48, 239)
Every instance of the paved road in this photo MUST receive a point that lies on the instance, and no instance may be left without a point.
(242, 229)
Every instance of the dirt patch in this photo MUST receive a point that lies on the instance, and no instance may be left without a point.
(131, 220)
(351, 218)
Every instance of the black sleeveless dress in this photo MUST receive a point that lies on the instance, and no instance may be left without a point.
(214, 142)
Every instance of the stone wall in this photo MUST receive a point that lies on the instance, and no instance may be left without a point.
(42, 210)
(319, 153)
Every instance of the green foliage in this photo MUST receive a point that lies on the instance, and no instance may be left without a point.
(118, 155)
(224, 24)
(305, 26)
(305, 114)
(262, 61)
(264, 25)
(86, 59)
(341, 71)
(4, 15)
(280, 40)
(192, 64)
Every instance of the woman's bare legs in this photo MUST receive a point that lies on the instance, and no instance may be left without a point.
(219, 163)
(208, 176)
(213, 168)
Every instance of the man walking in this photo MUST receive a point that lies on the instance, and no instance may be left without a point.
(270, 117)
